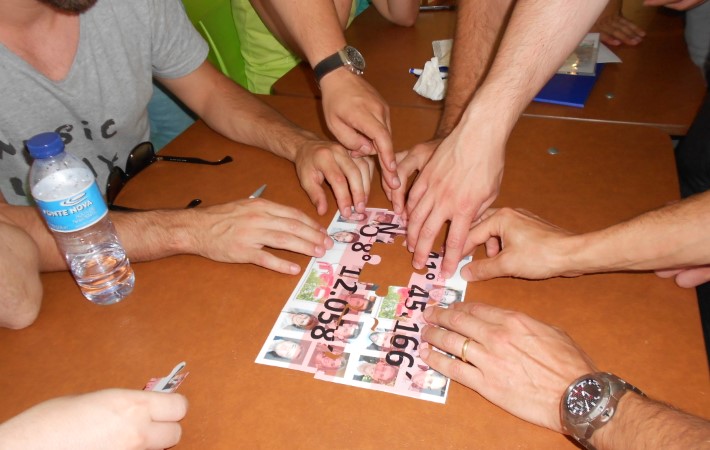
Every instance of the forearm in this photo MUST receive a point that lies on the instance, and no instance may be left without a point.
(237, 114)
(144, 235)
(540, 35)
(671, 237)
(479, 28)
(644, 423)
(315, 31)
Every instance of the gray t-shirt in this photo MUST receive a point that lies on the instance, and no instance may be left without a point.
(100, 107)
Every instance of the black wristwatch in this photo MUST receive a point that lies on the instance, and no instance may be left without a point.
(590, 402)
(349, 57)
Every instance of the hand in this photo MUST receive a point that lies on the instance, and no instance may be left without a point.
(238, 232)
(360, 119)
(514, 361)
(615, 30)
(518, 244)
(408, 162)
(119, 419)
(680, 5)
(689, 277)
(319, 161)
(458, 183)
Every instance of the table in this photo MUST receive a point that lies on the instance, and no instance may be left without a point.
(216, 316)
(657, 85)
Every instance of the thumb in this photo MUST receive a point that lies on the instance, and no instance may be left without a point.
(483, 269)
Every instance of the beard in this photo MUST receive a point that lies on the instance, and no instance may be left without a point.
(70, 6)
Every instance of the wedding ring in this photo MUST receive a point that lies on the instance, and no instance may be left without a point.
(463, 350)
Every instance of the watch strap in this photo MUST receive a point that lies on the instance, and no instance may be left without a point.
(328, 65)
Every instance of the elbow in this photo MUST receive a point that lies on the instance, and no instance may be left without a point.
(19, 311)
(405, 21)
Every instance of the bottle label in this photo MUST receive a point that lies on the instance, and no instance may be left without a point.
(74, 213)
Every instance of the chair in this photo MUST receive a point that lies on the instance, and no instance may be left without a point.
(213, 19)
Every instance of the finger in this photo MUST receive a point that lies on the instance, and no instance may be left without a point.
(367, 170)
(164, 407)
(464, 373)
(668, 273)
(162, 435)
(693, 277)
(406, 167)
(455, 242)
(483, 269)
(417, 210)
(344, 179)
(351, 138)
(269, 261)
(426, 235)
(316, 194)
(284, 211)
(289, 234)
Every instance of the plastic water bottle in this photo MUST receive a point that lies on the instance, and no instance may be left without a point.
(72, 205)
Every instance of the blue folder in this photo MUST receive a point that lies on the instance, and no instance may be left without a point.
(569, 90)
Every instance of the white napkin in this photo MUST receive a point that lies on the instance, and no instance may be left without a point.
(430, 84)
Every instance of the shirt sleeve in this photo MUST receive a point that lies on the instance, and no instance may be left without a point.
(177, 48)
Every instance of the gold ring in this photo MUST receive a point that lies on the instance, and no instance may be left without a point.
(464, 348)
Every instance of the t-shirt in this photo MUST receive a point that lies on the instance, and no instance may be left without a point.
(99, 108)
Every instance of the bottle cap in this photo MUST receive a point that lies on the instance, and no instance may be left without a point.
(45, 145)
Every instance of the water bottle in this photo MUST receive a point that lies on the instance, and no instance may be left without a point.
(71, 203)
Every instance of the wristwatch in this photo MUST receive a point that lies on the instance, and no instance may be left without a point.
(349, 57)
(590, 402)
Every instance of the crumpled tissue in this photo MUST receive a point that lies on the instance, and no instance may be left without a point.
(430, 84)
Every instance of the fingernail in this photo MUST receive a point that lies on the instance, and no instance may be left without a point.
(365, 148)
(427, 314)
(410, 248)
(361, 207)
(417, 265)
(397, 182)
(393, 165)
(320, 251)
(445, 274)
(424, 350)
(294, 268)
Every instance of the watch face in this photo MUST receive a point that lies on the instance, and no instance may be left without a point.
(355, 58)
(584, 397)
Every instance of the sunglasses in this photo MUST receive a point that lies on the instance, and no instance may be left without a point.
(141, 157)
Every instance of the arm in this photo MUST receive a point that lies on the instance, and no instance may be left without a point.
(21, 293)
(480, 27)
(524, 366)
(399, 12)
(359, 120)
(128, 419)
(235, 232)
(237, 114)
(540, 35)
(532, 248)
(615, 29)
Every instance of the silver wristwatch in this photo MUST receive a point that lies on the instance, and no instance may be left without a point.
(590, 402)
(349, 57)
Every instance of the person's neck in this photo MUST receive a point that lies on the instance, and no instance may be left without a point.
(45, 38)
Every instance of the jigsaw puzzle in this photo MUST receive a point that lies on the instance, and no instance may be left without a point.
(353, 320)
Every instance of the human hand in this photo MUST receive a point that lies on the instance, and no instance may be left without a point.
(615, 29)
(408, 162)
(238, 231)
(119, 419)
(514, 361)
(680, 5)
(319, 161)
(360, 119)
(458, 184)
(518, 244)
(688, 277)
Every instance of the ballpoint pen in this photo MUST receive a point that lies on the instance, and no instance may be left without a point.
(257, 193)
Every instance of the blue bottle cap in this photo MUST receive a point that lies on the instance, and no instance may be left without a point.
(45, 145)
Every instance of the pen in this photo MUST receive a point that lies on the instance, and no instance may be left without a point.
(257, 193)
(417, 72)
(436, 7)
